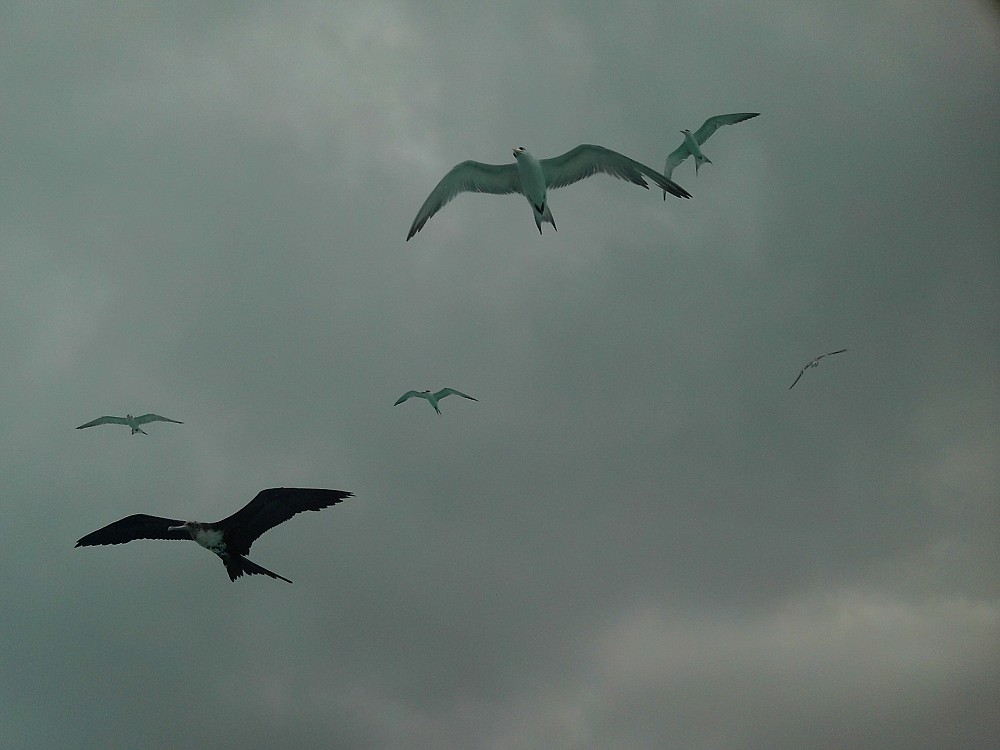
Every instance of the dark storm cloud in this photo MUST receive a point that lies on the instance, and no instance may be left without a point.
(637, 537)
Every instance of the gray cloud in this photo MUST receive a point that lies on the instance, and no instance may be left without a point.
(638, 537)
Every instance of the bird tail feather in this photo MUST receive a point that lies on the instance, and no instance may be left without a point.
(543, 216)
(237, 565)
(699, 160)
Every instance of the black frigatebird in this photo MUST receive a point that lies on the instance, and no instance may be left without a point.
(229, 538)
(814, 363)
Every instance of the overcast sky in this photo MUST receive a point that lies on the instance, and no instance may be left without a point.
(638, 537)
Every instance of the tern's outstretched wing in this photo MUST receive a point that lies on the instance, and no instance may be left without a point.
(409, 394)
(448, 391)
(797, 379)
(676, 157)
(104, 420)
(586, 160)
(471, 177)
(714, 123)
(814, 363)
(839, 351)
(701, 135)
(146, 418)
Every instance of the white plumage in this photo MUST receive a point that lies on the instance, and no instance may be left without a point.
(433, 398)
(131, 421)
(533, 178)
(692, 141)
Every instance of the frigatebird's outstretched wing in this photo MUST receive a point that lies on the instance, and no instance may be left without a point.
(146, 418)
(270, 508)
(139, 526)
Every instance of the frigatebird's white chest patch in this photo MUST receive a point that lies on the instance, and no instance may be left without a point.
(211, 539)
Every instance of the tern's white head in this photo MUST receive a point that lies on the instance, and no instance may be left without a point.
(519, 150)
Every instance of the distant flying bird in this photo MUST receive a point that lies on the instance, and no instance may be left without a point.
(433, 398)
(693, 141)
(815, 363)
(229, 538)
(131, 421)
(532, 179)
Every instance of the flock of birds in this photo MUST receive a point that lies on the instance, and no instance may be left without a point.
(231, 537)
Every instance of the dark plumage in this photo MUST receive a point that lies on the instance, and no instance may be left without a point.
(229, 538)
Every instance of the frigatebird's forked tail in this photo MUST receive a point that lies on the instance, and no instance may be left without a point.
(229, 538)
(237, 565)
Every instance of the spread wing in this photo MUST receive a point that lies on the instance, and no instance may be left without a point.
(270, 508)
(409, 394)
(797, 378)
(146, 418)
(701, 135)
(839, 351)
(104, 420)
(675, 157)
(139, 526)
(471, 177)
(586, 160)
(448, 391)
(714, 123)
